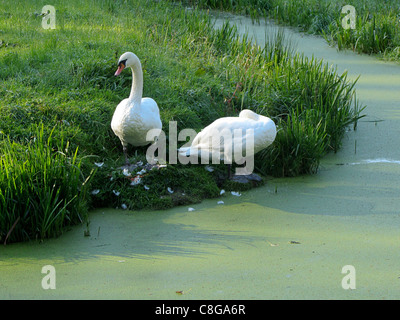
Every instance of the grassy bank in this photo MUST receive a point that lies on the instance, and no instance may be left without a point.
(377, 24)
(59, 157)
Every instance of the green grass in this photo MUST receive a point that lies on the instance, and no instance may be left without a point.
(59, 92)
(42, 176)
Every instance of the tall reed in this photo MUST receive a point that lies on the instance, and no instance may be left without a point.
(42, 188)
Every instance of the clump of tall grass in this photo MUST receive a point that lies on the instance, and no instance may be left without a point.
(298, 147)
(305, 84)
(374, 33)
(42, 188)
(313, 106)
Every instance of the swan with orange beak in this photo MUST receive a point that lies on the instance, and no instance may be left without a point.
(134, 116)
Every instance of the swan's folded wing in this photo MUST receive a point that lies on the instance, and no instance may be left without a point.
(226, 136)
(150, 105)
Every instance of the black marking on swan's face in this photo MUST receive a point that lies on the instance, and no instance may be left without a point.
(123, 63)
(121, 66)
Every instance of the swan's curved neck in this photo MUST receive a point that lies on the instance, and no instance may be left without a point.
(137, 83)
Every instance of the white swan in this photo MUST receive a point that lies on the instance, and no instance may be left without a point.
(134, 116)
(245, 142)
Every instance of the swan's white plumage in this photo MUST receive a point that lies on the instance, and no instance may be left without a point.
(263, 134)
(134, 116)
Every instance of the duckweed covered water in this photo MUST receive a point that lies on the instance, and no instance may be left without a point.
(287, 240)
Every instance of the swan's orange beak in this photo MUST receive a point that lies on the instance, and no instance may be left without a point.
(121, 67)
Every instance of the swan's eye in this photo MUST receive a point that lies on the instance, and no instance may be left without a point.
(123, 62)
